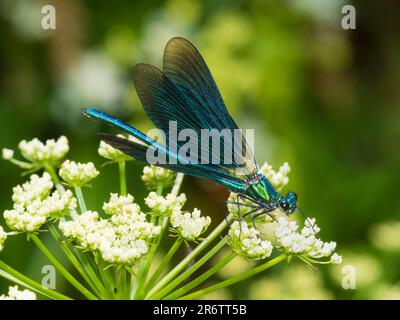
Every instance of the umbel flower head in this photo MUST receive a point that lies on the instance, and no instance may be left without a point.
(33, 204)
(110, 153)
(15, 294)
(304, 242)
(165, 206)
(3, 237)
(189, 225)
(77, 174)
(246, 241)
(153, 177)
(120, 239)
(38, 152)
(287, 238)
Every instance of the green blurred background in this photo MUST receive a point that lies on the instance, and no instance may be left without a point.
(322, 98)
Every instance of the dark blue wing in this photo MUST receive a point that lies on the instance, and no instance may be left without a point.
(166, 102)
(185, 66)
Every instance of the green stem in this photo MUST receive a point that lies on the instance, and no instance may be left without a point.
(194, 283)
(106, 277)
(160, 188)
(81, 199)
(174, 272)
(235, 279)
(11, 274)
(22, 164)
(121, 275)
(85, 270)
(177, 184)
(50, 169)
(144, 270)
(188, 272)
(137, 291)
(60, 268)
(122, 177)
(164, 262)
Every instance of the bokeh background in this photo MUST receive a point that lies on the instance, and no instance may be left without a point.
(326, 100)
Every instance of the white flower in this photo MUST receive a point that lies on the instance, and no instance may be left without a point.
(165, 205)
(33, 204)
(7, 154)
(15, 294)
(247, 243)
(77, 174)
(3, 237)
(120, 239)
(155, 176)
(336, 259)
(36, 188)
(189, 225)
(51, 151)
(121, 205)
(303, 243)
(110, 153)
(278, 179)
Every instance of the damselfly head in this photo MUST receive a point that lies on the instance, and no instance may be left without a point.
(289, 203)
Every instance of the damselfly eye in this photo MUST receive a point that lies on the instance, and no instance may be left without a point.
(284, 206)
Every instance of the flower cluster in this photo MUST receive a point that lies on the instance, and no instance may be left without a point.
(33, 204)
(37, 151)
(156, 176)
(246, 241)
(120, 239)
(304, 243)
(3, 237)
(110, 153)
(278, 179)
(77, 174)
(165, 206)
(15, 294)
(189, 225)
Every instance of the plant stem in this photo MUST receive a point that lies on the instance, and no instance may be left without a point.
(177, 184)
(121, 280)
(50, 169)
(164, 262)
(194, 283)
(174, 272)
(11, 274)
(138, 290)
(235, 279)
(80, 264)
(60, 268)
(122, 177)
(187, 273)
(144, 270)
(81, 199)
(106, 277)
